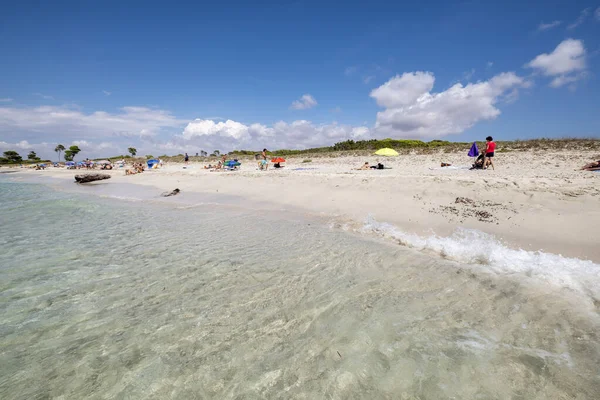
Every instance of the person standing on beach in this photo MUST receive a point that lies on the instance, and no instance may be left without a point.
(263, 163)
(186, 159)
(490, 147)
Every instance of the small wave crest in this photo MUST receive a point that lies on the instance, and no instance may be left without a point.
(125, 198)
(475, 247)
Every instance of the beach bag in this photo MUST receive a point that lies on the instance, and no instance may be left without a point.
(380, 166)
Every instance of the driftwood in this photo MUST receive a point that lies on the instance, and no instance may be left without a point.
(173, 193)
(91, 177)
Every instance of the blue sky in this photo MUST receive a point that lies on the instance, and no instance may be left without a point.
(169, 78)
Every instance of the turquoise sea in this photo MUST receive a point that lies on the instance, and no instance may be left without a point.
(109, 292)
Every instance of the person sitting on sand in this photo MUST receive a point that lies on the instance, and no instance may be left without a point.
(593, 166)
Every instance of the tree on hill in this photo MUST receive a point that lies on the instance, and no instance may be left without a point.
(32, 156)
(71, 152)
(12, 156)
(59, 149)
(132, 151)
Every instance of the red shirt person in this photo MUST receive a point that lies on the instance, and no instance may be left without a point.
(490, 147)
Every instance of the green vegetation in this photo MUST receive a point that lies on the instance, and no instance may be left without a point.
(12, 157)
(59, 149)
(306, 161)
(132, 151)
(405, 146)
(360, 145)
(32, 156)
(71, 153)
(149, 156)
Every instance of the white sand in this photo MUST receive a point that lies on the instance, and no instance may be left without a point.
(540, 201)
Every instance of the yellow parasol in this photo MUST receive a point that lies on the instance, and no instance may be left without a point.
(387, 152)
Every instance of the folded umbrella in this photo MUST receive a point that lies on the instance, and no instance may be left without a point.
(474, 152)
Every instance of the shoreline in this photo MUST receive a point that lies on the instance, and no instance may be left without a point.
(547, 207)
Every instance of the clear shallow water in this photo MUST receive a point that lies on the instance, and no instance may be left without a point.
(109, 299)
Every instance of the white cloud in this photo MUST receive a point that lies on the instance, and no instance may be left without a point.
(233, 134)
(44, 96)
(403, 90)
(305, 102)
(567, 63)
(67, 124)
(562, 80)
(581, 19)
(22, 145)
(368, 79)
(413, 111)
(106, 93)
(6, 100)
(544, 27)
(203, 127)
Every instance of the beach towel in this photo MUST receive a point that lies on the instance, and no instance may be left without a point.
(474, 151)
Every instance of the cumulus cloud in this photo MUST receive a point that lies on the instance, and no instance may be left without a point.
(97, 132)
(305, 102)
(22, 145)
(227, 129)
(581, 19)
(567, 63)
(544, 27)
(403, 90)
(412, 110)
(233, 134)
(68, 123)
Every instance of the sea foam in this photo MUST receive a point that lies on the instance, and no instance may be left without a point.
(485, 250)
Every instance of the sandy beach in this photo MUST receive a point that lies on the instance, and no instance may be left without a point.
(530, 201)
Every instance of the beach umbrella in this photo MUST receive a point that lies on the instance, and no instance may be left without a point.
(277, 160)
(474, 151)
(386, 152)
(232, 163)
